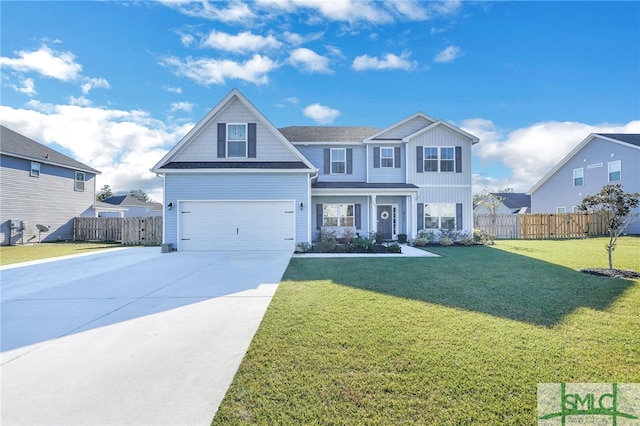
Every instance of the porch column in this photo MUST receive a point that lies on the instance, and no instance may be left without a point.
(373, 216)
(414, 215)
(408, 219)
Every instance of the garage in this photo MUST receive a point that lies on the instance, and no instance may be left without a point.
(236, 225)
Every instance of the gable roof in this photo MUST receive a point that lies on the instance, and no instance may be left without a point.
(514, 200)
(14, 144)
(433, 123)
(128, 200)
(627, 139)
(398, 124)
(327, 133)
(160, 167)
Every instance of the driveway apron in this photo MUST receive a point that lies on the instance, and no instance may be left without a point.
(129, 337)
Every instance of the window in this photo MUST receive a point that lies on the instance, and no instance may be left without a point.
(578, 177)
(615, 171)
(237, 140)
(35, 169)
(576, 209)
(561, 210)
(79, 184)
(386, 157)
(438, 216)
(338, 215)
(439, 159)
(338, 161)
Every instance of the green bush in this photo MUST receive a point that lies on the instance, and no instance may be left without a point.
(482, 237)
(327, 243)
(446, 241)
(402, 238)
(362, 245)
(423, 238)
(394, 248)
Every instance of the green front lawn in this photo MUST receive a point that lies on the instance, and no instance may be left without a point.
(461, 339)
(16, 254)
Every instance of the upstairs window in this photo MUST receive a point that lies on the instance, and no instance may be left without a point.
(578, 177)
(430, 159)
(79, 181)
(441, 159)
(237, 140)
(338, 215)
(35, 169)
(386, 157)
(615, 171)
(338, 161)
(447, 159)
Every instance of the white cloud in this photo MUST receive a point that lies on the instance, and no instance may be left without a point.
(243, 42)
(388, 62)
(182, 106)
(309, 61)
(530, 152)
(81, 101)
(172, 89)
(293, 100)
(411, 10)
(46, 62)
(235, 11)
(187, 40)
(208, 71)
(92, 83)
(298, 39)
(321, 114)
(123, 145)
(449, 54)
(28, 87)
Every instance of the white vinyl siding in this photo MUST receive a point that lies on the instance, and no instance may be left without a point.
(615, 171)
(578, 177)
(237, 140)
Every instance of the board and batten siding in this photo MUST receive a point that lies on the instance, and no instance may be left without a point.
(405, 129)
(593, 158)
(315, 154)
(387, 174)
(50, 200)
(205, 145)
(245, 186)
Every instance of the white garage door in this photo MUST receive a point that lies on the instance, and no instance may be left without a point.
(236, 225)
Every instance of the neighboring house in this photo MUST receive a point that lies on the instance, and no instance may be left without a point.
(132, 207)
(100, 209)
(40, 186)
(237, 182)
(510, 202)
(599, 160)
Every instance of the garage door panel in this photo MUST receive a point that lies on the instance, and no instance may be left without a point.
(237, 225)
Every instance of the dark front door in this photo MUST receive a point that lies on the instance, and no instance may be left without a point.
(385, 222)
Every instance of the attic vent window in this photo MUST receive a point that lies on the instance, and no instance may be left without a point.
(35, 169)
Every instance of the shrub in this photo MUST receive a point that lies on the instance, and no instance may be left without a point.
(362, 245)
(377, 237)
(446, 241)
(347, 236)
(402, 238)
(394, 248)
(327, 243)
(303, 247)
(482, 237)
(423, 238)
(467, 239)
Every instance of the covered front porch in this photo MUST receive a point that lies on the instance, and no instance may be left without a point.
(362, 209)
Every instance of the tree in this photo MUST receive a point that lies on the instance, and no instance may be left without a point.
(492, 201)
(618, 205)
(104, 193)
(140, 195)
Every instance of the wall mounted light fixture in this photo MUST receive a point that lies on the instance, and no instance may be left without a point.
(169, 206)
(301, 205)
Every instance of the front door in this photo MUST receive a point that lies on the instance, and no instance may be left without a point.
(385, 221)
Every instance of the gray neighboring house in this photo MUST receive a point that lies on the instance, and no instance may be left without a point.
(512, 202)
(132, 207)
(40, 186)
(600, 159)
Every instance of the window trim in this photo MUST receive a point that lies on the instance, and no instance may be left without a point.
(35, 169)
(581, 177)
(560, 210)
(439, 160)
(237, 141)
(439, 215)
(332, 161)
(76, 181)
(339, 214)
(619, 171)
(392, 158)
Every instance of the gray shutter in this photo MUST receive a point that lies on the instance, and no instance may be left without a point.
(327, 161)
(459, 216)
(458, 159)
(349, 161)
(420, 216)
(419, 159)
(222, 140)
(357, 214)
(318, 216)
(396, 157)
(251, 140)
(376, 157)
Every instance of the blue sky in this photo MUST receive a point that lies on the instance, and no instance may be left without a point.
(117, 84)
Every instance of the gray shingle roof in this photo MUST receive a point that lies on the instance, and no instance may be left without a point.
(235, 165)
(128, 200)
(514, 200)
(327, 133)
(16, 145)
(362, 185)
(632, 138)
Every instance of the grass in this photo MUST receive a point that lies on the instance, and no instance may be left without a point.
(16, 254)
(461, 339)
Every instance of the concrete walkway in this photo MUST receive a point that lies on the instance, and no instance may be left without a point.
(407, 251)
(129, 337)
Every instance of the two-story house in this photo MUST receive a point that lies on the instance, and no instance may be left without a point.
(236, 182)
(40, 186)
(600, 159)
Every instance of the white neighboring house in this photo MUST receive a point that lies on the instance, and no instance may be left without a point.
(599, 160)
(130, 207)
(512, 202)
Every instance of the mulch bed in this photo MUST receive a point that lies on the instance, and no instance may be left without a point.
(613, 273)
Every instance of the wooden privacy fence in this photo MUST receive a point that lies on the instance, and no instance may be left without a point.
(542, 225)
(126, 230)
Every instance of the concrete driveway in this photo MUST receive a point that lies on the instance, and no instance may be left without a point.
(129, 336)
